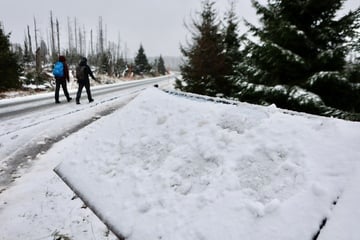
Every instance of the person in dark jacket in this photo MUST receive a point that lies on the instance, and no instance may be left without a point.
(83, 72)
(61, 81)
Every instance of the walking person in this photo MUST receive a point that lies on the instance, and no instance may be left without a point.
(82, 74)
(61, 74)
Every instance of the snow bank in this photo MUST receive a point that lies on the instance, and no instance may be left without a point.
(165, 167)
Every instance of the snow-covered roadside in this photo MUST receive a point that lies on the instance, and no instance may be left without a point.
(343, 222)
(37, 122)
(165, 166)
(38, 205)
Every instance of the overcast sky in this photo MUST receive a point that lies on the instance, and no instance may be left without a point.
(157, 24)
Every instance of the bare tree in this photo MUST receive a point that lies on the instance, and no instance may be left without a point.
(84, 41)
(58, 36)
(70, 36)
(75, 34)
(35, 32)
(27, 54)
(105, 37)
(81, 41)
(52, 37)
(101, 36)
(118, 47)
(29, 41)
(91, 43)
(38, 66)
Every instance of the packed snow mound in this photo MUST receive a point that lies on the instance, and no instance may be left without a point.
(214, 158)
(166, 167)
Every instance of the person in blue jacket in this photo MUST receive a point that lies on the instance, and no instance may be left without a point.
(61, 81)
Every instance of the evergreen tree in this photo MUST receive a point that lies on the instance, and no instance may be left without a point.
(104, 62)
(120, 66)
(9, 67)
(142, 65)
(232, 50)
(302, 44)
(154, 67)
(43, 51)
(161, 66)
(203, 70)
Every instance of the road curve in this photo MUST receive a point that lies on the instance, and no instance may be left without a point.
(10, 108)
(29, 126)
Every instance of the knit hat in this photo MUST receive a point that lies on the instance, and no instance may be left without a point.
(83, 61)
(62, 58)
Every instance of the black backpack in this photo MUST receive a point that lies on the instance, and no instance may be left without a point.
(80, 72)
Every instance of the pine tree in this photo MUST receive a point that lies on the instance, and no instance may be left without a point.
(232, 50)
(203, 70)
(141, 62)
(104, 62)
(161, 66)
(120, 66)
(302, 44)
(9, 67)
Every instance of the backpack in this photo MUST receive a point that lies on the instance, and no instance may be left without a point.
(58, 70)
(80, 72)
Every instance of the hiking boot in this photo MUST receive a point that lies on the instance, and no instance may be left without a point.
(91, 100)
(69, 99)
(77, 102)
(57, 102)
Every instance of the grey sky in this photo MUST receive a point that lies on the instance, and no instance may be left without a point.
(157, 24)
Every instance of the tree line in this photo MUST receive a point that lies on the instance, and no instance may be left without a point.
(302, 57)
(32, 58)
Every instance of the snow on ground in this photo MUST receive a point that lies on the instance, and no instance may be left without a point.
(167, 167)
(38, 205)
(33, 206)
(164, 167)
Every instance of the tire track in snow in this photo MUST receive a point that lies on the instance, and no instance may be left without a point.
(21, 159)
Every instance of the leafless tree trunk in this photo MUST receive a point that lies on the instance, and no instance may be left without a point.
(101, 36)
(70, 36)
(75, 34)
(29, 41)
(91, 43)
(52, 37)
(35, 32)
(38, 66)
(105, 37)
(118, 47)
(58, 36)
(48, 42)
(80, 42)
(84, 41)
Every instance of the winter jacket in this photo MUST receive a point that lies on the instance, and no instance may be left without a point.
(88, 71)
(66, 69)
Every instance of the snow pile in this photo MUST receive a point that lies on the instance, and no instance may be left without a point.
(166, 167)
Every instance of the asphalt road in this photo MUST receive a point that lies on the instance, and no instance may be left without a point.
(29, 126)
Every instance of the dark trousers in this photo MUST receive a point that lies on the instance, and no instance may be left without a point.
(82, 84)
(62, 83)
